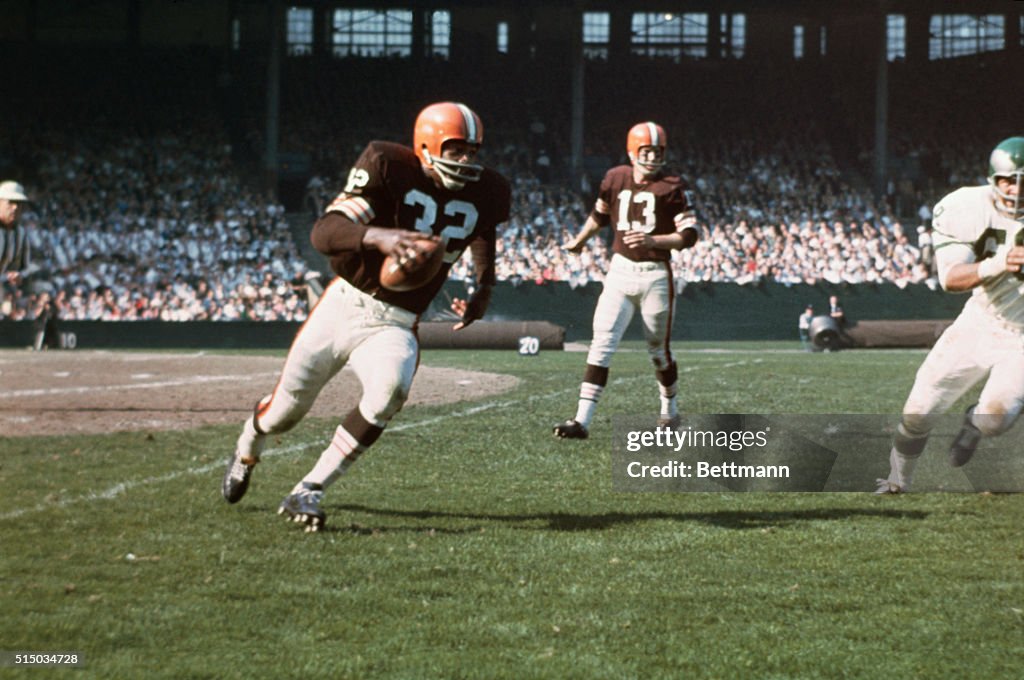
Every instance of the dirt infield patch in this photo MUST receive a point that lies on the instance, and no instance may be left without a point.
(47, 393)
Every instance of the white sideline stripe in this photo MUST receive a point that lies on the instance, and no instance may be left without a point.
(122, 487)
(195, 380)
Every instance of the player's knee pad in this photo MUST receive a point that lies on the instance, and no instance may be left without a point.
(993, 418)
(909, 445)
(602, 347)
(379, 405)
(659, 357)
(281, 413)
(916, 425)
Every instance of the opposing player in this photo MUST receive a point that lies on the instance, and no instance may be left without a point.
(394, 196)
(651, 213)
(978, 247)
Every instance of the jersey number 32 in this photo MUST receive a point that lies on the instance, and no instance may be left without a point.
(465, 214)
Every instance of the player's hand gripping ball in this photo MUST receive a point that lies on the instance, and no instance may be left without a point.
(414, 266)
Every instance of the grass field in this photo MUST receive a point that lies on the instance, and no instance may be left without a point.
(468, 543)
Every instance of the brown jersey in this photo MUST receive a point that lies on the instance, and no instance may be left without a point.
(388, 188)
(658, 206)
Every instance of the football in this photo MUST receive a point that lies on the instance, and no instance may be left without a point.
(409, 273)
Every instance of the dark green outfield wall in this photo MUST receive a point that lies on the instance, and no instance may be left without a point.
(729, 311)
(703, 312)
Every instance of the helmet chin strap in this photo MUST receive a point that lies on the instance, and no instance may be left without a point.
(449, 183)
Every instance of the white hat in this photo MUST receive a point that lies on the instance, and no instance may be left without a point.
(12, 191)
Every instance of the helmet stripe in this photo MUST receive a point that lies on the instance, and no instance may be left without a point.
(652, 130)
(472, 134)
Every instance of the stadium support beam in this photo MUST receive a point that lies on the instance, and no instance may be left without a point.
(577, 83)
(881, 171)
(275, 27)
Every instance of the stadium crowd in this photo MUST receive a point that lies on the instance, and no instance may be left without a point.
(160, 229)
(139, 225)
(167, 231)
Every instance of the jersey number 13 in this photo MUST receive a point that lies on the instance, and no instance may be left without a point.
(642, 198)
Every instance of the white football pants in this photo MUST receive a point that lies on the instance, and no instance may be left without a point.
(347, 326)
(976, 346)
(629, 286)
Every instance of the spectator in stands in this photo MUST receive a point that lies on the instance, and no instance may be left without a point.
(835, 311)
(804, 327)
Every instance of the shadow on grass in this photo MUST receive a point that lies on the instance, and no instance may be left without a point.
(562, 521)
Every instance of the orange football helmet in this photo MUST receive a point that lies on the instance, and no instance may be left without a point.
(439, 123)
(646, 134)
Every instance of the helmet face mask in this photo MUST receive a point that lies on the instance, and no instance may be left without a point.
(1007, 162)
(641, 139)
(444, 122)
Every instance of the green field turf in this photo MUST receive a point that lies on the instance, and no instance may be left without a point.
(468, 543)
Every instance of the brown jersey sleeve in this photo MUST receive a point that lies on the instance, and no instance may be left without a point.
(601, 212)
(365, 196)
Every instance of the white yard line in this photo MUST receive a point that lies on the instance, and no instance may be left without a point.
(84, 389)
(122, 487)
(21, 357)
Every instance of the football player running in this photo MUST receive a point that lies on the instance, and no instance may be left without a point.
(394, 196)
(978, 247)
(651, 213)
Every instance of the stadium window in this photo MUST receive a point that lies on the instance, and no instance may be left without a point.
(503, 37)
(798, 41)
(737, 35)
(895, 37)
(440, 34)
(695, 35)
(657, 35)
(958, 35)
(669, 35)
(596, 34)
(372, 33)
(299, 34)
(823, 41)
(236, 34)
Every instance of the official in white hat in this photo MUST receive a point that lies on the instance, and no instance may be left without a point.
(12, 191)
(14, 243)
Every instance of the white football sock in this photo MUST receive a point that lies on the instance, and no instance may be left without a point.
(901, 468)
(328, 469)
(250, 442)
(589, 396)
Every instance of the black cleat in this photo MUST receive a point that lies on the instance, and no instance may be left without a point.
(570, 429)
(303, 507)
(236, 478)
(965, 443)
